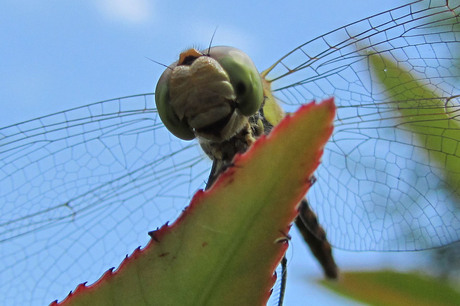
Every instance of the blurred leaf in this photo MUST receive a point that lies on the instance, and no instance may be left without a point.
(394, 288)
(434, 120)
(224, 248)
(448, 21)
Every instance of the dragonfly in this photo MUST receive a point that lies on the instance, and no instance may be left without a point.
(81, 188)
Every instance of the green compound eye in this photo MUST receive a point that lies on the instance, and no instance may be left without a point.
(177, 127)
(243, 75)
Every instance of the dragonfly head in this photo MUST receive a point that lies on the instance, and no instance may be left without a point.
(209, 95)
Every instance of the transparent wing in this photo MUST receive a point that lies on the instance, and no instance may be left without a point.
(381, 185)
(80, 190)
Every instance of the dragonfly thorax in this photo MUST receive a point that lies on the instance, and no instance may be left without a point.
(222, 152)
(226, 149)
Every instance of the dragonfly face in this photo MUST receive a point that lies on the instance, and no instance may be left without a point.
(80, 189)
(209, 95)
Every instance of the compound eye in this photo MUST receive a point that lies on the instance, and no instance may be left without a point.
(179, 128)
(244, 77)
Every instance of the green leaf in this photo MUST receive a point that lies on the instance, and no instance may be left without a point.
(225, 246)
(434, 120)
(394, 288)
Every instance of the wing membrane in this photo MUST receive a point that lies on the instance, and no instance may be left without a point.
(380, 187)
(86, 185)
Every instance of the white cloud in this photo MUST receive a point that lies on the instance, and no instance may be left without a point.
(130, 11)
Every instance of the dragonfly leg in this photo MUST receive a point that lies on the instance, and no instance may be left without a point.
(218, 166)
(283, 280)
(315, 236)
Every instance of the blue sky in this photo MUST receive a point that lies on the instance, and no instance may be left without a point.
(57, 55)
